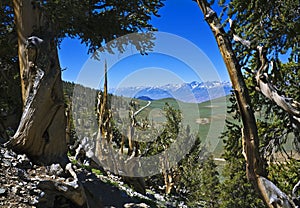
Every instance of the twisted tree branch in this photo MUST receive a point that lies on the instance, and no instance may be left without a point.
(266, 87)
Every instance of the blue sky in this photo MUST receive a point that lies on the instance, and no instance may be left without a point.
(180, 19)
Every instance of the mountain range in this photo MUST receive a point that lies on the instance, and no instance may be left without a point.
(193, 92)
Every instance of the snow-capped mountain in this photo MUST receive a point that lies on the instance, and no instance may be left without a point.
(194, 92)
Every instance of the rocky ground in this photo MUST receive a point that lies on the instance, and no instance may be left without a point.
(23, 184)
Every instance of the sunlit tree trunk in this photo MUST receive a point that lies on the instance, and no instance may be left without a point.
(41, 133)
(270, 194)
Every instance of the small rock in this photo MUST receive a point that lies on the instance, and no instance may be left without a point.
(3, 192)
(8, 155)
(20, 183)
(33, 201)
(25, 200)
(6, 163)
(14, 189)
(22, 192)
(55, 169)
(159, 197)
(133, 205)
(42, 194)
(29, 187)
(23, 162)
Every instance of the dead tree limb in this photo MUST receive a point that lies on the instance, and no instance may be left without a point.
(266, 87)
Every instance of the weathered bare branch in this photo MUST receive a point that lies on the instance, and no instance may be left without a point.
(237, 38)
(296, 188)
(269, 90)
(243, 41)
(275, 195)
(266, 87)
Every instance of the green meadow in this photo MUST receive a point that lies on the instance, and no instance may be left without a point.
(205, 119)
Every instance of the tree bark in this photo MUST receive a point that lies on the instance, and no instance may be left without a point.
(270, 194)
(41, 133)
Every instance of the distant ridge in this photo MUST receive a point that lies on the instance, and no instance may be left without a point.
(144, 98)
(194, 92)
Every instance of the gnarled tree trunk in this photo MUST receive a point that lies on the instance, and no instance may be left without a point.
(41, 133)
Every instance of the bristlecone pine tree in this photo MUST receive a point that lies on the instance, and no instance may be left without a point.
(41, 133)
(258, 31)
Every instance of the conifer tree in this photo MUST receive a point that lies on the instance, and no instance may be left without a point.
(259, 32)
(235, 190)
(41, 133)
